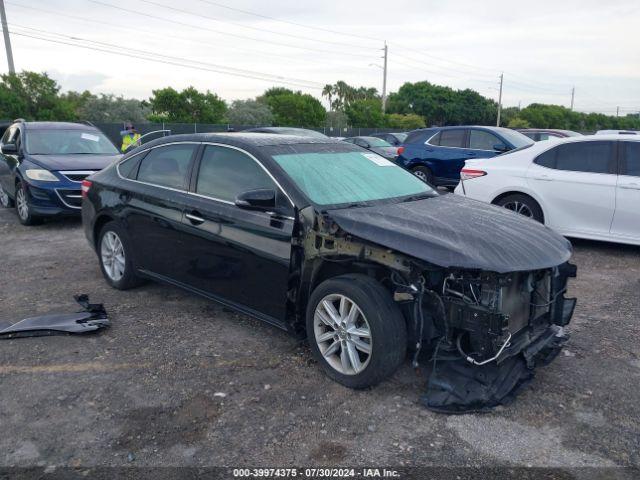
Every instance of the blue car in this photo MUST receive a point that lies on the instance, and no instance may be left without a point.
(436, 155)
(43, 164)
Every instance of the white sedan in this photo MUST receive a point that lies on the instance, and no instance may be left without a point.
(583, 187)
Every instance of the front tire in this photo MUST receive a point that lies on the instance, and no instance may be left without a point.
(5, 200)
(23, 209)
(356, 331)
(522, 204)
(116, 257)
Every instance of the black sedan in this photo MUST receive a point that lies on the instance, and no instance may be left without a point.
(320, 237)
(375, 145)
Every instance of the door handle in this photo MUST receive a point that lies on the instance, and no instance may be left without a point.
(630, 186)
(194, 218)
(544, 178)
(470, 154)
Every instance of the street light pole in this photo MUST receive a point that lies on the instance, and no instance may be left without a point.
(500, 100)
(7, 40)
(384, 78)
(573, 94)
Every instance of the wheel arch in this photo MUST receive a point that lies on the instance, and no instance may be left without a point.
(526, 194)
(101, 220)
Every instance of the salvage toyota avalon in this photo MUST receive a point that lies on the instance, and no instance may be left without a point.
(326, 239)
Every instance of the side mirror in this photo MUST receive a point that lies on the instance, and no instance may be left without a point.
(9, 148)
(261, 199)
(501, 147)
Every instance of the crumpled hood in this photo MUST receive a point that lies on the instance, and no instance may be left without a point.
(74, 162)
(451, 231)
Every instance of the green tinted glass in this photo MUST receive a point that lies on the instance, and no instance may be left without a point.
(348, 177)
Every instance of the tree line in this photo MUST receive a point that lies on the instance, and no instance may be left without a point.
(36, 96)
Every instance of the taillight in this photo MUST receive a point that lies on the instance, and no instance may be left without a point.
(400, 150)
(86, 185)
(469, 173)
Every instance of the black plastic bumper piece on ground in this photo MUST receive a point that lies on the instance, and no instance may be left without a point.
(92, 318)
(456, 386)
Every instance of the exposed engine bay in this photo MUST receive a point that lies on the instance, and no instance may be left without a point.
(478, 334)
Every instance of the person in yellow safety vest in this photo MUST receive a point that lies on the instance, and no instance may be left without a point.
(130, 137)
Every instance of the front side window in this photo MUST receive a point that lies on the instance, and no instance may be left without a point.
(69, 142)
(225, 173)
(346, 177)
(589, 157)
(631, 164)
(167, 166)
(481, 140)
(452, 138)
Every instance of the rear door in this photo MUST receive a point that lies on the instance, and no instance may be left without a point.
(577, 183)
(154, 202)
(450, 157)
(626, 220)
(237, 255)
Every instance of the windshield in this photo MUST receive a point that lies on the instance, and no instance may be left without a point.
(517, 139)
(68, 142)
(377, 142)
(335, 178)
(401, 136)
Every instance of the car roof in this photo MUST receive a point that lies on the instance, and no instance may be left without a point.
(57, 126)
(249, 139)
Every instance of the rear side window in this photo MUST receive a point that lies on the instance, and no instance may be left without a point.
(481, 140)
(452, 138)
(129, 168)
(590, 157)
(167, 166)
(547, 159)
(631, 164)
(225, 172)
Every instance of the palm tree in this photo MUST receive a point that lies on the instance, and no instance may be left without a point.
(327, 91)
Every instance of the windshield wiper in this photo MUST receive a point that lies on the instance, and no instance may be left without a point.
(419, 196)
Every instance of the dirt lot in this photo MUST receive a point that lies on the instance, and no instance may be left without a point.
(179, 380)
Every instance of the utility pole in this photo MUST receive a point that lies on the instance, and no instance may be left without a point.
(7, 40)
(500, 100)
(617, 111)
(573, 94)
(384, 78)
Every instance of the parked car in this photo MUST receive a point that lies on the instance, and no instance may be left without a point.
(375, 145)
(317, 236)
(302, 132)
(394, 139)
(584, 187)
(540, 134)
(617, 132)
(436, 155)
(43, 164)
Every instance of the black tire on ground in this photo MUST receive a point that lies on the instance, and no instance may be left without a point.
(523, 204)
(129, 278)
(22, 205)
(423, 173)
(5, 200)
(386, 324)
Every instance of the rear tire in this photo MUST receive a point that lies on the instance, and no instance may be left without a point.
(116, 257)
(23, 209)
(522, 204)
(363, 348)
(423, 173)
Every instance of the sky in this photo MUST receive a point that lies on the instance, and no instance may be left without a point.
(543, 48)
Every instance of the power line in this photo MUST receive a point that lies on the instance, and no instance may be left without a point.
(149, 32)
(287, 21)
(255, 75)
(190, 25)
(299, 37)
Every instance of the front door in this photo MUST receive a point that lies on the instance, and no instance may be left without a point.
(626, 220)
(236, 255)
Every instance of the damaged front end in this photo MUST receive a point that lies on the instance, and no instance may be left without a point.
(483, 331)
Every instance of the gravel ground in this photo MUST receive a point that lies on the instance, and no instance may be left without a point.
(181, 381)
